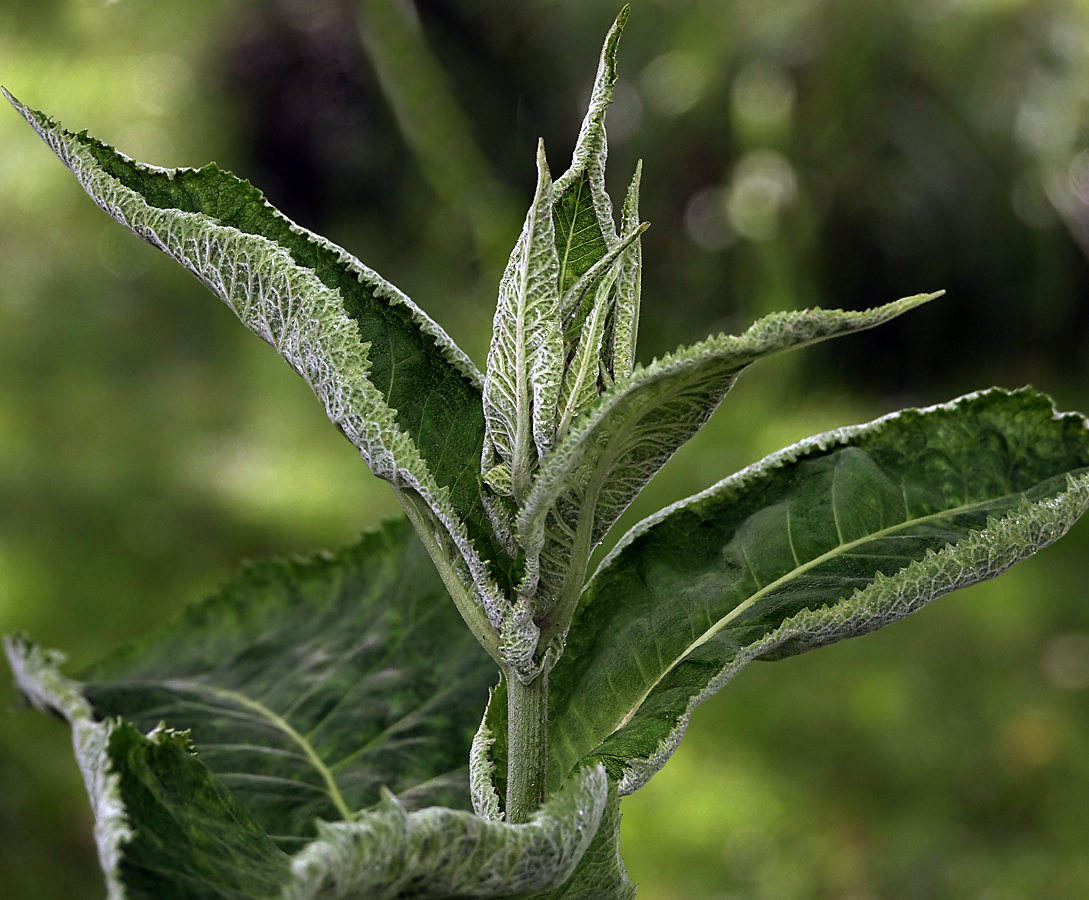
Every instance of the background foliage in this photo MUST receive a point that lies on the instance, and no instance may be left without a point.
(799, 152)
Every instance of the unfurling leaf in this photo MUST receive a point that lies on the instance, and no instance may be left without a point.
(525, 363)
(618, 445)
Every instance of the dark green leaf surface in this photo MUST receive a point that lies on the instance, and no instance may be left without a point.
(191, 840)
(582, 214)
(620, 442)
(307, 687)
(836, 536)
(168, 829)
(389, 377)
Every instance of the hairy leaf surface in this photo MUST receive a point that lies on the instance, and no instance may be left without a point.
(617, 446)
(624, 332)
(833, 537)
(582, 213)
(390, 854)
(168, 826)
(389, 377)
(525, 362)
(308, 687)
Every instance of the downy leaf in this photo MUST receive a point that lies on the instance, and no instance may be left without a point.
(390, 854)
(833, 537)
(161, 818)
(580, 382)
(617, 446)
(525, 362)
(583, 213)
(308, 687)
(620, 359)
(600, 875)
(389, 377)
(167, 826)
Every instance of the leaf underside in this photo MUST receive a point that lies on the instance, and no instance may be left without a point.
(305, 690)
(834, 537)
(390, 379)
(307, 687)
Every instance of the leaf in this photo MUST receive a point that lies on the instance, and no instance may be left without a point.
(191, 838)
(618, 445)
(582, 212)
(625, 326)
(167, 826)
(580, 383)
(308, 687)
(390, 854)
(161, 818)
(600, 875)
(38, 679)
(525, 362)
(390, 379)
(833, 537)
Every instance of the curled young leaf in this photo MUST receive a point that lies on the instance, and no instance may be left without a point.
(525, 363)
(618, 444)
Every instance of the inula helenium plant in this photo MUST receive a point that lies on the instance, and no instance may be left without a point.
(332, 729)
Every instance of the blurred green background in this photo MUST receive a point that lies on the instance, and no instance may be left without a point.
(796, 152)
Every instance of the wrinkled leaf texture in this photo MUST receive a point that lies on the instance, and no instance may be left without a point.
(389, 377)
(833, 537)
(307, 689)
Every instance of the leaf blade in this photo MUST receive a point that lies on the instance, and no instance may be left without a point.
(705, 632)
(637, 425)
(308, 687)
(389, 377)
(583, 211)
(389, 854)
(526, 356)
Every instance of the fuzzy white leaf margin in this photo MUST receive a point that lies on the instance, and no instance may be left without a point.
(390, 853)
(986, 554)
(38, 679)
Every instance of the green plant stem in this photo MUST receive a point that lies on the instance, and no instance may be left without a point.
(527, 760)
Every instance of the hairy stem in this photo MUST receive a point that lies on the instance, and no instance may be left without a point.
(527, 731)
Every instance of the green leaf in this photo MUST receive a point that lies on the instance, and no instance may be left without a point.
(625, 325)
(389, 854)
(167, 826)
(836, 536)
(308, 687)
(525, 362)
(162, 821)
(191, 838)
(582, 212)
(600, 875)
(390, 379)
(38, 679)
(580, 382)
(617, 446)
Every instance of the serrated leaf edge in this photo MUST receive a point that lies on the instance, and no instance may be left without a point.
(999, 545)
(38, 679)
(383, 854)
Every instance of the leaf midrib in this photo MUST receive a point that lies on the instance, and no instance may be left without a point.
(763, 592)
(284, 726)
